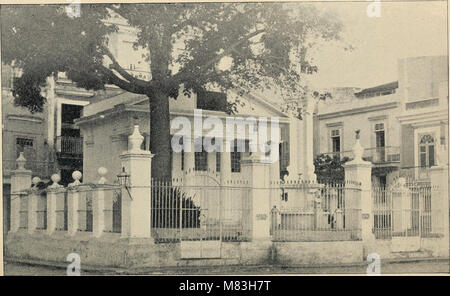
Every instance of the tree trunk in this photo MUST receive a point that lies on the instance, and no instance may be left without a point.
(160, 135)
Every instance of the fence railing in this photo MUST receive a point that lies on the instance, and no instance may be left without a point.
(406, 211)
(317, 212)
(23, 211)
(85, 217)
(113, 210)
(385, 154)
(413, 175)
(195, 212)
(41, 210)
(61, 212)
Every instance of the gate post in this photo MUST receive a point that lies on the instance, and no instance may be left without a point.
(52, 202)
(136, 193)
(98, 204)
(20, 181)
(439, 177)
(259, 195)
(32, 205)
(73, 204)
(360, 170)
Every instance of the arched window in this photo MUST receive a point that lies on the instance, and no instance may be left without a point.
(426, 151)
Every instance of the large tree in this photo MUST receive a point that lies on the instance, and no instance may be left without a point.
(265, 44)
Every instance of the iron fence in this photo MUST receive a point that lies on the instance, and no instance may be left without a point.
(316, 212)
(41, 210)
(113, 210)
(211, 211)
(85, 217)
(406, 210)
(61, 212)
(23, 211)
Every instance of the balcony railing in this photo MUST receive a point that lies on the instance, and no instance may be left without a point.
(382, 154)
(377, 155)
(69, 145)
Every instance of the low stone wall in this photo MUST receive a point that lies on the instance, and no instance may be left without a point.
(318, 253)
(112, 251)
(410, 247)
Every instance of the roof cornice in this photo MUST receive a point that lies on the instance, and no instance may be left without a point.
(365, 109)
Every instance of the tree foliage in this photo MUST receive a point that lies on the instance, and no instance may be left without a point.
(265, 44)
(329, 169)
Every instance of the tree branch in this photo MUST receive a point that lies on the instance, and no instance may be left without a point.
(125, 85)
(115, 66)
(184, 73)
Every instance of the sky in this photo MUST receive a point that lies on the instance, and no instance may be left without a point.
(404, 29)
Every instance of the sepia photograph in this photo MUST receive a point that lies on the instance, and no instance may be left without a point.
(225, 138)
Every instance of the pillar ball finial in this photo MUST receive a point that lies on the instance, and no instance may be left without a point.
(102, 171)
(36, 180)
(76, 175)
(55, 179)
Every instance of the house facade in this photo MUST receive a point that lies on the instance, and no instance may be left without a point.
(403, 124)
(106, 125)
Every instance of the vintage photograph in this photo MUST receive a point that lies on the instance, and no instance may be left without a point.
(225, 138)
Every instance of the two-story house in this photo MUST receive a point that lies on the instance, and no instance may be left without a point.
(403, 124)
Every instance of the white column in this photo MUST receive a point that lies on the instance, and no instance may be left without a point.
(32, 206)
(258, 173)
(360, 171)
(308, 141)
(52, 196)
(73, 204)
(439, 177)
(50, 96)
(294, 146)
(136, 197)
(98, 204)
(20, 181)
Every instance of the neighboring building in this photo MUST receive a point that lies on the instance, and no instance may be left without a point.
(403, 124)
(49, 139)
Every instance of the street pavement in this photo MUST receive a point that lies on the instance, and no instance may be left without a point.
(415, 267)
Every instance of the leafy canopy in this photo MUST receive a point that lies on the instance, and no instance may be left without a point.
(240, 46)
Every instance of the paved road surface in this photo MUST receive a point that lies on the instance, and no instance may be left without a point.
(428, 267)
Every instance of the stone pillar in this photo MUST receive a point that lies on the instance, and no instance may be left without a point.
(73, 204)
(20, 181)
(439, 177)
(52, 196)
(136, 195)
(98, 204)
(360, 171)
(401, 206)
(258, 173)
(32, 206)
